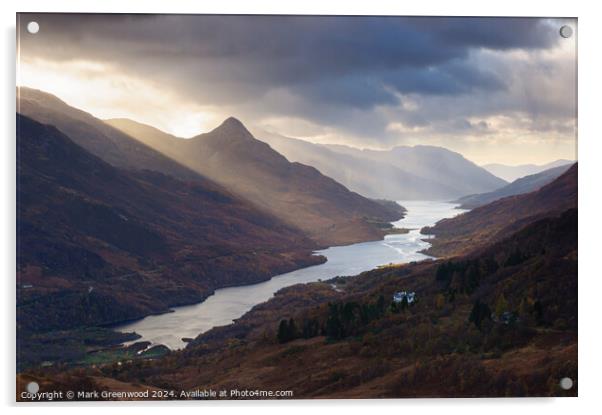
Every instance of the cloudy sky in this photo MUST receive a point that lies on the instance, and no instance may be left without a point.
(496, 90)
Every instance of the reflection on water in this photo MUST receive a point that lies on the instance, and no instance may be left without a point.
(231, 303)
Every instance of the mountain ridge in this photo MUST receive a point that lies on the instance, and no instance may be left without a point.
(522, 185)
(297, 193)
(511, 173)
(231, 156)
(435, 163)
(389, 174)
(232, 126)
(95, 136)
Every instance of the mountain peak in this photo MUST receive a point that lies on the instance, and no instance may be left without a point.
(232, 128)
(232, 121)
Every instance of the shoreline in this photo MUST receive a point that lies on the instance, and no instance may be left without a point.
(390, 231)
(363, 256)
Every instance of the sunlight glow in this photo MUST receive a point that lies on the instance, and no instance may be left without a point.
(106, 93)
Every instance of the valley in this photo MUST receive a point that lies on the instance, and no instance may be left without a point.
(229, 304)
(279, 206)
(142, 260)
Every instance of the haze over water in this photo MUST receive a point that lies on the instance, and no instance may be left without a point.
(231, 303)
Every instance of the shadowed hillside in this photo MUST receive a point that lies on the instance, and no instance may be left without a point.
(499, 322)
(493, 221)
(95, 136)
(99, 245)
(519, 186)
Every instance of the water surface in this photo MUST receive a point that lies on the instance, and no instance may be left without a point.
(228, 304)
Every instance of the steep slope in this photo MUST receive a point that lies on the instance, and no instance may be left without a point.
(100, 139)
(98, 244)
(495, 220)
(294, 192)
(511, 173)
(519, 186)
(368, 177)
(455, 175)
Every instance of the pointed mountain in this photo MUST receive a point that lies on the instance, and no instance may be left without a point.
(142, 240)
(496, 220)
(294, 192)
(232, 128)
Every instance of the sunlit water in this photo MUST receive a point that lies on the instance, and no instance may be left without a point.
(228, 304)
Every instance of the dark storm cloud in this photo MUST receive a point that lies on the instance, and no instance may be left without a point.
(417, 55)
(451, 78)
(491, 32)
(336, 72)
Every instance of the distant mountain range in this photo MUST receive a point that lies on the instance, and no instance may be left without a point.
(299, 194)
(496, 220)
(511, 173)
(419, 172)
(519, 186)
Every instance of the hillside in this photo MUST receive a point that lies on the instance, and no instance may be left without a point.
(95, 136)
(298, 194)
(519, 186)
(511, 173)
(499, 322)
(495, 220)
(100, 245)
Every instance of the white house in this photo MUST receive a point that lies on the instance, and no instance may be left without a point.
(409, 296)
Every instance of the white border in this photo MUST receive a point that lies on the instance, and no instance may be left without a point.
(590, 137)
